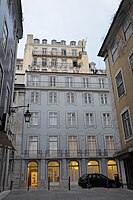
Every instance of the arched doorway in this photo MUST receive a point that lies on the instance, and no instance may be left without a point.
(74, 171)
(54, 172)
(93, 166)
(32, 174)
(112, 169)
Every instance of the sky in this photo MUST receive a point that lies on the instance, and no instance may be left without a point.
(69, 20)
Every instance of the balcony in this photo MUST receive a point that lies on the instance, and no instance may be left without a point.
(61, 85)
(93, 153)
(73, 153)
(53, 153)
(55, 54)
(33, 153)
(54, 67)
(109, 152)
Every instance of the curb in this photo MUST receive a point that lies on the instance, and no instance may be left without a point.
(3, 194)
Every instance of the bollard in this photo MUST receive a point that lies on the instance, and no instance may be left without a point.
(69, 183)
(48, 183)
(88, 185)
(28, 183)
(11, 185)
(107, 183)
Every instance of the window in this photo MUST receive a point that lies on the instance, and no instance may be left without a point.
(72, 143)
(54, 51)
(5, 35)
(127, 27)
(34, 119)
(86, 82)
(19, 67)
(11, 60)
(71, 119)
(107, 122)
(34, 80)
(44, 62)
(34, 61)
(53, 145)
(44, 51)
(101, 82)
(114, 51)
(69, 82)
(103, 98)
(89, 119)
(33, 142)
(120, 84)
(34, 97)
(53, 119)
(52, 80)
(74, 52)
(70, 98)
(54, 63)
(110, 147)
(91, 145)
(64, 64)
(131, 62)
(127, 124)
(53, 97)
(87, 98)
(63, 52)
(1, 77)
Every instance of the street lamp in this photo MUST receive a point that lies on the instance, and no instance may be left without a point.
(27, 114)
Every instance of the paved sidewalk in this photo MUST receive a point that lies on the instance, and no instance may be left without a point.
(84, 194)
(3, 194)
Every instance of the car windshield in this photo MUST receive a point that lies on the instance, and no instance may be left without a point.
(84, 176)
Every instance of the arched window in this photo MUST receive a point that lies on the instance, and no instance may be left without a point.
(112, 169)
(54, 172)
(74, 171)
(93, 166)
(32, 174)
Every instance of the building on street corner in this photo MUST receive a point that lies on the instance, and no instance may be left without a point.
(72, 128)
(117, 50)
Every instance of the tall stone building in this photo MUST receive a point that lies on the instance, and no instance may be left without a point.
(11, 32)
(71, 131)
(117, 50)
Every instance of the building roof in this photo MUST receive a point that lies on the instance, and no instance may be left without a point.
(118, 18)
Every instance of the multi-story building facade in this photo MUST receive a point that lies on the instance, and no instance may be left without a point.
(11, 31)
(117, 49)
(71, 131)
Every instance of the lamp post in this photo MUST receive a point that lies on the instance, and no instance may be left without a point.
(27, 114)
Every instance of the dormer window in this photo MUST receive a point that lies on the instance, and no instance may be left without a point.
(73, 43)
(36, 41)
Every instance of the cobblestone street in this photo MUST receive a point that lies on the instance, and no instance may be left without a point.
(83, 194)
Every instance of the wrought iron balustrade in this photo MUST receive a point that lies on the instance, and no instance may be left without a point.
(33, 153)
(53, 153)
(93, 152)
(73, 153)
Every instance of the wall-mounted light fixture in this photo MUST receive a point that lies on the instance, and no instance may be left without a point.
(27, 114)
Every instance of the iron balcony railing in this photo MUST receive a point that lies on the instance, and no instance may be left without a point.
(93, 152)
(53, 153)
(55, 54)
(66, 84)
(73, 153)
(109, 152)
(33, 153)
(57, 65)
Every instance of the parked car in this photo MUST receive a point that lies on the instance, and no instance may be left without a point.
(97, 180)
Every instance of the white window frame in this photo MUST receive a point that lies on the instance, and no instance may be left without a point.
(52, 81)
(89, 118)
(35, 97)
(52, 97)
(107, 119)
(70, 98)
(103, 98)
(87, 98)
(71, 119)
(34, 80)
(69, 82)
(86, 82)
(35, 118)
(53, 119)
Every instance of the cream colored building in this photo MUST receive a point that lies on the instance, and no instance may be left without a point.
(117, 50)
